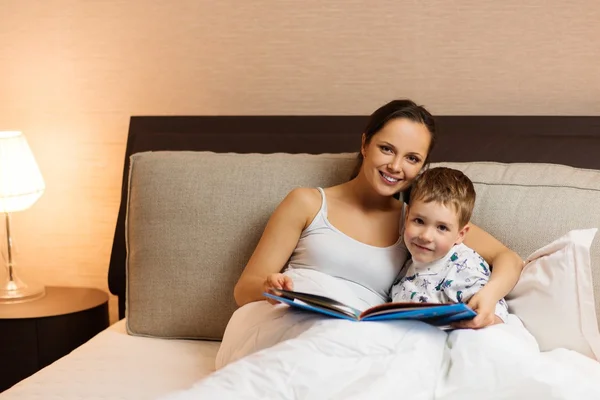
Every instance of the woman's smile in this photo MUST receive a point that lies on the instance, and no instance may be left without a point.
(388, 179)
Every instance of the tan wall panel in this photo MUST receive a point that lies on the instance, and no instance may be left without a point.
(72, 72)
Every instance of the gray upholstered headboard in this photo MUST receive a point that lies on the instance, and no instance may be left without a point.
(571, 141)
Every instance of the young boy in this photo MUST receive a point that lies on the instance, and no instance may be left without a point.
(441, 269)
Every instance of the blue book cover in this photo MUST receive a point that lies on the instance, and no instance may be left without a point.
(432, 313)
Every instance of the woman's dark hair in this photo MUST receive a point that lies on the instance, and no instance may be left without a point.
(394, 110)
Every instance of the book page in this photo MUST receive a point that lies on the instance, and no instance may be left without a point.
(321, 301)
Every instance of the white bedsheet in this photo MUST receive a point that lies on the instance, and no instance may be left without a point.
(114, 365)
(338, 359)
(272, 352)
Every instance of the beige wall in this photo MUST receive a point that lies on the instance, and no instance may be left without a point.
(72, 72)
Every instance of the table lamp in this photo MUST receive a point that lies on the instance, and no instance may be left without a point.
(21, 184)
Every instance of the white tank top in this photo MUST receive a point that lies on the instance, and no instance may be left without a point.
(369, 270)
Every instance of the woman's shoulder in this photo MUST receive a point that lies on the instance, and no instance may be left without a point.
(304, 196)
(303, 199)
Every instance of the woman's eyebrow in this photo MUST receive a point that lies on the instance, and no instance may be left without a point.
(383, 142)
(388, 144)
(414, 153)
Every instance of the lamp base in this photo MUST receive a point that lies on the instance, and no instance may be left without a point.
(16, 291)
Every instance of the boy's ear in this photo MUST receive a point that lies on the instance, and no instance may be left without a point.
(461, 234)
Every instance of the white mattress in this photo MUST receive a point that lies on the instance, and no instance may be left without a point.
(115, 365)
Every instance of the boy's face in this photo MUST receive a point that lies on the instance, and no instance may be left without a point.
(431, 229)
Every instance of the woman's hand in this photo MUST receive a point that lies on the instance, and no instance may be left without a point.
(276, 282)
(484, 304)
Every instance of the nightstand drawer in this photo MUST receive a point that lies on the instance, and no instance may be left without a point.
(18, 351)
(35, 334)
(58, 336)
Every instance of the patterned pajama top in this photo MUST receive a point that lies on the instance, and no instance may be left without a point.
(454, 278)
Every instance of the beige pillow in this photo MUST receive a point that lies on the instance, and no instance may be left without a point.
(555, 298)
(193, 220)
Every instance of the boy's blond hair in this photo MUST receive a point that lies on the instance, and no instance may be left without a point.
(449, 187)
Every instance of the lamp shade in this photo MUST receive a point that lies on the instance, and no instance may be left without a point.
(21, 182)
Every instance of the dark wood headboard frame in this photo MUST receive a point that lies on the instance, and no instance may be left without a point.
(569, 140)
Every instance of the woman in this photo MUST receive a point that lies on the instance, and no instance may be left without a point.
(351, 232)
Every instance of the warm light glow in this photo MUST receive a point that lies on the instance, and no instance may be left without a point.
(21, 182)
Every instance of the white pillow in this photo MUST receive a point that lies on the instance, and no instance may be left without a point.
(555, 298)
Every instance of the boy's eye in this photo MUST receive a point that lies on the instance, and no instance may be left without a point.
(418, 221)
(443, 228)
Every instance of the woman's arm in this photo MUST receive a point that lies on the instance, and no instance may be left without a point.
(277, 243)
(507, 266)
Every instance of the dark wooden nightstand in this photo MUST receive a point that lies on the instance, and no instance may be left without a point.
(34, 334)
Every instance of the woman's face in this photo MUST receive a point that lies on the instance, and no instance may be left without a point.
(395, 155)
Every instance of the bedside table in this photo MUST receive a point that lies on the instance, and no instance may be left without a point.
(34, 334)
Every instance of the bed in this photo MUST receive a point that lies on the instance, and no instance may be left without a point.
(117, 365)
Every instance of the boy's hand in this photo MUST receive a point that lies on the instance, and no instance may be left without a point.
(276, 282)
(485, 307)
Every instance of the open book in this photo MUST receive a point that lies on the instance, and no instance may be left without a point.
(432, 313)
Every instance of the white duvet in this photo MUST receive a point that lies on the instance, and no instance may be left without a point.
(272, 352)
